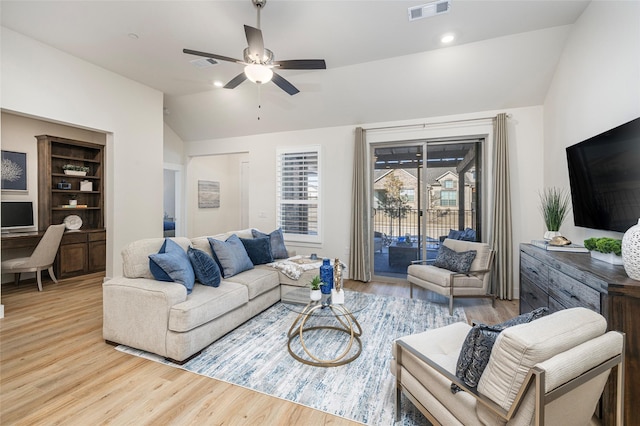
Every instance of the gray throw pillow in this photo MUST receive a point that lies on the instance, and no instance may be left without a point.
(452, 260)
(475, 352)
(276, 238)
(231, 255)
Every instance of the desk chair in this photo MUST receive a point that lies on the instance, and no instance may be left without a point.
(41, 258)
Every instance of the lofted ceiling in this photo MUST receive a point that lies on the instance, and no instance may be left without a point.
(380, 66)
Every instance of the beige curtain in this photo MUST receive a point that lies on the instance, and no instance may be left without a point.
(360, 258)
(501, 240)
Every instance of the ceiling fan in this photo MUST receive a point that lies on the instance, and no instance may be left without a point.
(258, 60)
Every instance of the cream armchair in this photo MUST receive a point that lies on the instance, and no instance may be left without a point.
(475, 283)
(548, 371)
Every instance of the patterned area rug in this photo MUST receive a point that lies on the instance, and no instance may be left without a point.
(255, 356)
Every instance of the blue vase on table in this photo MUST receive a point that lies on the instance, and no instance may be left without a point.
(326, 275)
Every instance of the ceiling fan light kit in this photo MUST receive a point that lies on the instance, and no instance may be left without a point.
(258, 60)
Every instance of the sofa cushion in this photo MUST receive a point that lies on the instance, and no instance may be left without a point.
(257, 281)
(206, 269)
(452, 260)
(258, 249)
(171, 263)
(205, 304)
(476, 349)
(231, 256)
(278, 249)
(135, 255)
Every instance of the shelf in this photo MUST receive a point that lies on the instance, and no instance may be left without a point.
(62, 175)
(70, 158)
(73, 191)
(74, 208)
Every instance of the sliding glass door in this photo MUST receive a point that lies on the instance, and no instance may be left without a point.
(423, 192)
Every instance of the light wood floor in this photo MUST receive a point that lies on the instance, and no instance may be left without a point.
(55, 367)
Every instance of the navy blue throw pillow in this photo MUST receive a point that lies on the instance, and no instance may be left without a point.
(258, 249)
(206, 269)
(452, 260)
(278, 249)
(171, 263)
(476, 349)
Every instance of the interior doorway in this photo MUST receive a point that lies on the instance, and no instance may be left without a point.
(173, 224)
(423, 192)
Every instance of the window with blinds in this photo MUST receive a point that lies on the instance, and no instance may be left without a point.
(298, 193)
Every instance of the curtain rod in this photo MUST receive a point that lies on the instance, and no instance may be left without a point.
(424, 125)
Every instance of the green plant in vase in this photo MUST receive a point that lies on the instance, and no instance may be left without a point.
(554, 205)
(315, 283)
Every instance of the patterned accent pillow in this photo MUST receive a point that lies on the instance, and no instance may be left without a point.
(171, 263)
(258, 249)
(475, 352)
(452, 260)
(278, 249)
(230, 255)
(206, 269)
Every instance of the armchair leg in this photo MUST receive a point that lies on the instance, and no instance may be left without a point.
(410, 290)
(16, 278)
(451, 305)
(39, 277)
(52, 275)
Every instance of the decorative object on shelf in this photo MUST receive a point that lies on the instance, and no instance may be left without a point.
(73, 222)
(14, 171)
(326, 275)
(605, 249)
(63, 184)
(86, 185)
(554, 205)
(631, 251)
(208, 194)
(316, 294)
(73, 200)
(75, 170)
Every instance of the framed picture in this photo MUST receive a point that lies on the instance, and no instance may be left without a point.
(14, 171)
(208, 194)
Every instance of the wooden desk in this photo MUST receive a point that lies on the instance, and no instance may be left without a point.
(81, 252)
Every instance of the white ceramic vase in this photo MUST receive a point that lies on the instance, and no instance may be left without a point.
(316, 295)
(548, 235)
(631, 251)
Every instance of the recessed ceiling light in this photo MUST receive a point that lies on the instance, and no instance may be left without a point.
(447, 38)
(218, 83)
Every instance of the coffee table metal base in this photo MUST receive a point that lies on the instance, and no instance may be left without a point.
(349, 325)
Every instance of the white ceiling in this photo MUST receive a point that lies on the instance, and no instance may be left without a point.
(380, 66)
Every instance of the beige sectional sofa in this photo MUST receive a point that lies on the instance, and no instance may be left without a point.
(160, 317)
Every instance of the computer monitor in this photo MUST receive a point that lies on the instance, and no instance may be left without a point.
(17, 216)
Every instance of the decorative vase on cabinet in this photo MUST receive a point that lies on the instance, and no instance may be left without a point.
(631, 251)
(326, 275)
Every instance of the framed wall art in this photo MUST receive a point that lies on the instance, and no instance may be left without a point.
(208, 194)
(14, 171)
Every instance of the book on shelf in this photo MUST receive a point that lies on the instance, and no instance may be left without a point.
(77, 206)
(575, 248)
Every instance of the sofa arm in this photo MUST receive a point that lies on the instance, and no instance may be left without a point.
(136, 311)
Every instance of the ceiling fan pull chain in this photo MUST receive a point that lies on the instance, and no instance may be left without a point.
(259, 99)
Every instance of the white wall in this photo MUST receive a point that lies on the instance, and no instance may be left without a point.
(218, 168)
(596, 87)
(42, 82)
(525, 132)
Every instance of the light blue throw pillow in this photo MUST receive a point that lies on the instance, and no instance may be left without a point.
(276, 238)
(231, 255)
(206, 269)
(171, 263)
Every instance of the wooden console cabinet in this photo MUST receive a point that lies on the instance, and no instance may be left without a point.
(560, 280)
(81, 251)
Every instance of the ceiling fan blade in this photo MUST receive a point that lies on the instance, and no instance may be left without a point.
(255, 42)
(211, 55)
(301, 64)
(282, 83)
(235, 82)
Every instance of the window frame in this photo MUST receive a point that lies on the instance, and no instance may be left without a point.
(298, 150)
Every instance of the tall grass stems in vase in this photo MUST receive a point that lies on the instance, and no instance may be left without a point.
(554, 204)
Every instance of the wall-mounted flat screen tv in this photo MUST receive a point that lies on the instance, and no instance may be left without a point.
(17, 215)
(604, 174)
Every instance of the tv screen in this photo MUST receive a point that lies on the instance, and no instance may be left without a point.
(604, 175)
(17, 215)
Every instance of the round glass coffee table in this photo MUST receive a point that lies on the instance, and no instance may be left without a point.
(320, 321)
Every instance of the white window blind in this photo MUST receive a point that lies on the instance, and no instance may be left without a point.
(298, 193)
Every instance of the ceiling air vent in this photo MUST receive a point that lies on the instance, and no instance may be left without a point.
(429, 9)
(204, 62)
